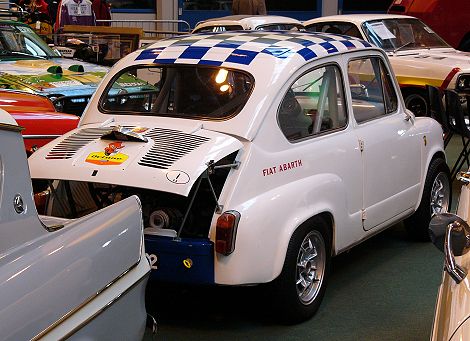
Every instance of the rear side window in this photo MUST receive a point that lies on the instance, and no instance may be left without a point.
(372, 91)
(313, 105)
(344, 28)
(217, 28)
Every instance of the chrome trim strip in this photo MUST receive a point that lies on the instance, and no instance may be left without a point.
(88, 300)
(11, 127)
(41, 136)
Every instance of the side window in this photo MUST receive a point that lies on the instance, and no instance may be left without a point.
(371, 89)
(344, 28)
(313, 105)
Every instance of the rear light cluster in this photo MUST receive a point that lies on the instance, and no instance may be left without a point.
(226, 232)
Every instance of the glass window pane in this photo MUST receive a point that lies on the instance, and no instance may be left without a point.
(346, 29)
(195, 92)
(366, 89)
(313, 105)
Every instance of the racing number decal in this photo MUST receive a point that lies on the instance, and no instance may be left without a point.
(152, 260)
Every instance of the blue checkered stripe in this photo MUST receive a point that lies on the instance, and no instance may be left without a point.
(243, 48)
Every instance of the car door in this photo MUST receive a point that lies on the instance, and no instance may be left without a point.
(391, 152)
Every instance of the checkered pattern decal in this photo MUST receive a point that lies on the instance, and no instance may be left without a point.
(243, 47)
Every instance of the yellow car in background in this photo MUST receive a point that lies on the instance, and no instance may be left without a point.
(419, 57)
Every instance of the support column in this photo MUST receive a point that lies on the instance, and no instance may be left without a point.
(329, 7)
(167, 10)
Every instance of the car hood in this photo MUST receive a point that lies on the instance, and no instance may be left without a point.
(33, 75)
(447, 56)
(171, 159)
(45, 123)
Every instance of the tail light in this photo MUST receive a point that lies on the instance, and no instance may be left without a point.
(226, 232)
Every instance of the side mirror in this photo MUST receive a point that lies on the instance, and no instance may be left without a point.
(451, 234)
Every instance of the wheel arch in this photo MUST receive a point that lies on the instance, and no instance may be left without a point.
(436, 155)
(328, 217)
(269, 241)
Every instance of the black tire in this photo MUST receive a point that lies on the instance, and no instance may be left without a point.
(432, 201)
(417, 101)
(290, 305)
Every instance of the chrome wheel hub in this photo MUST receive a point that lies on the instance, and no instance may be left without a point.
(310, 267)
(440, 194)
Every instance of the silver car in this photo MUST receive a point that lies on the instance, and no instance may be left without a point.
(66, 278)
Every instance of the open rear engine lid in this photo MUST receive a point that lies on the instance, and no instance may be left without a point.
(168, 159)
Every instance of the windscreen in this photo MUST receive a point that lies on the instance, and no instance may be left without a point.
(189, 91)
(402, 34)
(19, 40)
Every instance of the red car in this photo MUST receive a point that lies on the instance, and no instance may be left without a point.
(38, 116)
(449, 18)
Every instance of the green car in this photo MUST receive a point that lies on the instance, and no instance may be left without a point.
(28, 64)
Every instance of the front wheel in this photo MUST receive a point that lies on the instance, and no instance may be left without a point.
(299, 289)
(437, 195)
(416, 100)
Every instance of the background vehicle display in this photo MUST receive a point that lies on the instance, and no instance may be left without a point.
(37, 115)
(257, 157)
(450, 19)
(62, 278)
(28, 64)
(417, 54)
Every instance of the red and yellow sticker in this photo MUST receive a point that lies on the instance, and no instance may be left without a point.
(100, 158)
(109, 157)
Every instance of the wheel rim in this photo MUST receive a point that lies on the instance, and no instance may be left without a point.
(310, 267)
(417, 104)
(440, 194)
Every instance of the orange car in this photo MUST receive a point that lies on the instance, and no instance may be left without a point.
(450, 19)
(38, 116)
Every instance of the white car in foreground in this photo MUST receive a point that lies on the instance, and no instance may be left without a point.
(248, 22)
(419, 57)
(257, 156)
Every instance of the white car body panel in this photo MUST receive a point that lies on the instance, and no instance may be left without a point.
(192, 165)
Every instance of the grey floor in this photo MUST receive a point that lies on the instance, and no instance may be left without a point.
(383, 289)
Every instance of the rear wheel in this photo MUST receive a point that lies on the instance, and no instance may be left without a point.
(436, 199)
(299, 289)
(416, 100)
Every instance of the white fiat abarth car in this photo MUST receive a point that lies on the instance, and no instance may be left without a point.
(257, 157)
(417, 54)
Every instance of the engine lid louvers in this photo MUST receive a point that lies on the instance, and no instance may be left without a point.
(169, 146)
(67, 148)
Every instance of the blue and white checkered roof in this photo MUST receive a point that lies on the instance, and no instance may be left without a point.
(242, 47)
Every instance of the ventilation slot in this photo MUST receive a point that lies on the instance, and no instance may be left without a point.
(72, 144)
(169, 146)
